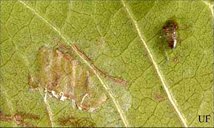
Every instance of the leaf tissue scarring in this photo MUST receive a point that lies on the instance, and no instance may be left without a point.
(64, 77)
(76, 122)
(20, 118)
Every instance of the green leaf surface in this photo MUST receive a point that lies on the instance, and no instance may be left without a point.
(163, 87)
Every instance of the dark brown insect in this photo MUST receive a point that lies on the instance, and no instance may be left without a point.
(170, 33)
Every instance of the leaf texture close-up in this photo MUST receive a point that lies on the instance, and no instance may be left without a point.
(106, 63)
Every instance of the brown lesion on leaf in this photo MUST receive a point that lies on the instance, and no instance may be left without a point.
(101, 72)
(76, 122)
(20, 118)
(159, 95)
(61, 75)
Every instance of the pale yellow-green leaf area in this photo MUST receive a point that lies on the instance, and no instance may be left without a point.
(106, 63)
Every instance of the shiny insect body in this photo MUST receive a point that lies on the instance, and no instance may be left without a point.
(170, 33)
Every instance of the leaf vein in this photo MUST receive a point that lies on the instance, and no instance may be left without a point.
(107, 88)
(157, 69)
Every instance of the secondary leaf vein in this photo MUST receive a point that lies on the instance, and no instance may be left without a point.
(107, 88)
(157, 69)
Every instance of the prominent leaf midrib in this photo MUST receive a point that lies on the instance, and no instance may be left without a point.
(155, 65)
(50, 113)
(107, 88)
(211, 7)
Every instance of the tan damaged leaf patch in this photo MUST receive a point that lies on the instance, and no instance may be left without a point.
(65, 78)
